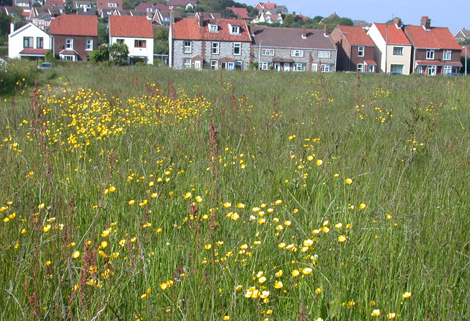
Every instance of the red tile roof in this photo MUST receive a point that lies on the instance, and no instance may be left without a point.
(435, 38)
(129, 26)
(370, 62)
(396, 36)
(241, 12)
(356, 35)
(75, 25)
(189, 29)
(268, 5)
(30, 51)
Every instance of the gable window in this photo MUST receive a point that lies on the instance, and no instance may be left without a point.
(430, 53)
(39, 42)
(398, 51)
(267, 52)
(215, 48)
(299, 67)
(297, 53)
(69, 43)
(89, 44)
(140, 43)
(187, 63)
(323, 54)
(235, 30)
(237, 48)
(28, 42)
(187, 47)
(213, 28)
(447, 55)
(360, 51)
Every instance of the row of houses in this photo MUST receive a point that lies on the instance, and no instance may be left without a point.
(207, 42)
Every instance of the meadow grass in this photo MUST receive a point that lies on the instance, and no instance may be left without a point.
(143, 194)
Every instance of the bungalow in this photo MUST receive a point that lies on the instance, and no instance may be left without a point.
(210, 43)
(292, 49)
(28, 42)
(137, 33)
(435, 50)
(75, 36)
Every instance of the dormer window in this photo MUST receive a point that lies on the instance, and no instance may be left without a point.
(234, 30)
(213, 28)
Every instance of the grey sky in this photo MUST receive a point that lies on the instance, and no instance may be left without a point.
(453, 14)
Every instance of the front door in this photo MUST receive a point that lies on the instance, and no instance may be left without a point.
(286, 66)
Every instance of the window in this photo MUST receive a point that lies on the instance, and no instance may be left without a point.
(215, 48)
(89, 44)
(187, 63)
(237, 48)
(69, 43)
(238, 65)
(235, 30)
(447, 70)
(398, 51)
(214, 64)
(431, 70)
(323, 54)
(447, 55)
(264, 66)
(39, 42)
(360, 67)
(326, 68)
(371, 68)
(213, 28)
(298, 67)
(430, 54)
(187, 47)
(120, 40)
(28, 42)
(140, 43)
(112, 5)
(297, 53)
(420, 69)
(197, 64)
(360, 51)
(396, 69)
(267, 52)
(68, 57)
(314, 67)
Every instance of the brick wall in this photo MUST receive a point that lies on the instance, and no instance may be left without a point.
(79, 45)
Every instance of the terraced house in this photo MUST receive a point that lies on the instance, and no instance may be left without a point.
(291, 49)
(210, 43)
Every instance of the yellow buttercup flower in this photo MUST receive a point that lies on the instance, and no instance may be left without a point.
(375, 313)
(349, 181)
(406, 295)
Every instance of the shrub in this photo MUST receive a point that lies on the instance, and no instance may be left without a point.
(16, 74)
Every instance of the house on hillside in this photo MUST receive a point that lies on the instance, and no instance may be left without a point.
(28, 42)
(75, 36)
(163, 17)
(137, 33)
(356, 51)
(272, 7)
(435, 50)
(462, 35)
(107, 7)
(210, 43)
(292, 49)
(392, 47)
(181, 4)
(241, 13)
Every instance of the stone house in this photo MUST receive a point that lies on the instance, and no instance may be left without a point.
(291, 49)
(210, 43)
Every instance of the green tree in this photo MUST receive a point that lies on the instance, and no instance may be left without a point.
(119, 53)
(101, 54)
(160, 44)
(102, 34)
(289, 19)
(5, 21)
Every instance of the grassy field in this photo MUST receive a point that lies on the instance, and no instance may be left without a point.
(145, 193)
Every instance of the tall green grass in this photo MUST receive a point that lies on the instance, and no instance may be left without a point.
(205, 185)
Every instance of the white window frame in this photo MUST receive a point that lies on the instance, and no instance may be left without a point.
(215, 64)
(393, 69)
(264, 65)
(29, 40)
(447, 55)
(215, 48)
(361, 51)
(298, 66)
(140, 43)
(39, 42)
(360, 67)
(237, 48)
(213, 28)
(324, 54)
(238, 65)
(267, 52)
(198, 64)
(68, 57)
(315, 67)
(421, 69)
(69, 43)
(187, 47)
(398, 51)
(326, 68)
(371, 68)
(112, 5)
(297, 53)
(432, 70)
(89, 45)
(430, 53)
(447, 70)
(235, 30)
(186, 63)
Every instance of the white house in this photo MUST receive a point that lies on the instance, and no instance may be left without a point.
(137, 33)
(28, 42)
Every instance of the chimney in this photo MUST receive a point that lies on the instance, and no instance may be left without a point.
(326, 31)
(304, 32)
(201, 20)
(426, 22)
(12, 27)
(397, 22)
(172, 17)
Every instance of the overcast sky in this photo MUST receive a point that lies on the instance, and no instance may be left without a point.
(453, 14)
